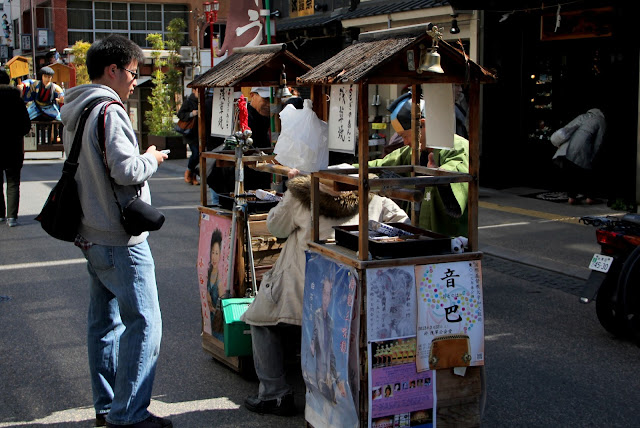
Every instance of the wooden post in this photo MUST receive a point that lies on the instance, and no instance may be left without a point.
(202, 142)
(474, 161)
(363, 159)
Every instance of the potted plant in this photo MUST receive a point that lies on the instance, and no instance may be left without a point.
(159, 118)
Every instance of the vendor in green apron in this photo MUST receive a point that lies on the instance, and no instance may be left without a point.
(444, 207)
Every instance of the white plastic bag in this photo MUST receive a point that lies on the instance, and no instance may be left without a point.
(303, 142)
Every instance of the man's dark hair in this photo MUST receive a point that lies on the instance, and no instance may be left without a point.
(114, 49)
(4, 78)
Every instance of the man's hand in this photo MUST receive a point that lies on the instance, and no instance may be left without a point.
(431, 163)
(194, 113)
(160, 157)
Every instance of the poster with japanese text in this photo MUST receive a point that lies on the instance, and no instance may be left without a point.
(343, 112)
(399, 395)
(214, 257)
(329, 341)
(222, 112)
(450, 303)
(391, 302)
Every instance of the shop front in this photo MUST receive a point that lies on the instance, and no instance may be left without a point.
(555, 63)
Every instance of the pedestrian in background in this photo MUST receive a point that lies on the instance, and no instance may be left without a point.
(15, 124)
(124, 321)
(579, 144)
(189, 112)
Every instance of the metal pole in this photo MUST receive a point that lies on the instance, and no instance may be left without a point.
(211, 39)
(33, 37)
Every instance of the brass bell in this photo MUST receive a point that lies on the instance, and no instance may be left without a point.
(284, 92)
(431, 62)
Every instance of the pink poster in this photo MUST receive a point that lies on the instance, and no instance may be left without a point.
(213, 266)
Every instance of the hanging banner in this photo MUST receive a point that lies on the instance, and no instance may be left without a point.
(343, 118)
(399, 396)
(450, 315)
(214, 255)
(329, 343)
(222, 112)
(440, 119)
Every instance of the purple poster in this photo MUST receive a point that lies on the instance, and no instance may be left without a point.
(399, 395)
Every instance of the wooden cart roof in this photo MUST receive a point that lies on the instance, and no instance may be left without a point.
(382, 57)
(253, 66)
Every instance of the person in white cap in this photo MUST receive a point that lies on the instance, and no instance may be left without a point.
(259, 121)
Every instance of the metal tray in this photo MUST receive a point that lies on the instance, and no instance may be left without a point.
(254, 205)
(427, 242)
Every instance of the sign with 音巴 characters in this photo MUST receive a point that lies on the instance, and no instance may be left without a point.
(450, 304)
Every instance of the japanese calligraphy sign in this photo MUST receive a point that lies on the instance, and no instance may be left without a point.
(450, 303)
(222, 112)
(329, 343)
(343, 118)
(440, 119)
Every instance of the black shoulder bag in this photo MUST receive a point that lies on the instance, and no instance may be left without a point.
(136, 216)
(61, 214)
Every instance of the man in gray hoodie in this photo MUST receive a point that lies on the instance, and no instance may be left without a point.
(124, 322)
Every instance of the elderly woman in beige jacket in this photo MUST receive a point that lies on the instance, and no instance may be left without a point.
(278, 304)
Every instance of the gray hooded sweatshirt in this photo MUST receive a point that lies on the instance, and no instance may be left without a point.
(130, 170)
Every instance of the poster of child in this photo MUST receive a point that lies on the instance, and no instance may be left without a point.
(213, 266)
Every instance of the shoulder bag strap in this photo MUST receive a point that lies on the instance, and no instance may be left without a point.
(101, 141)
(71, 164)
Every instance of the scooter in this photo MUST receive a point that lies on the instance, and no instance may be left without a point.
(614, 281)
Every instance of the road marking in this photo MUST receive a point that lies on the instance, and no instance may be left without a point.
(522, 223)
(530, 213)
(42, 264)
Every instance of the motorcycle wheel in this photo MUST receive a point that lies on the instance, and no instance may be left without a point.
(630, 285)
(609, 310)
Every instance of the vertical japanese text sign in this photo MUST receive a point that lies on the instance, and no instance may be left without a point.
(222, 112)
(343, 118)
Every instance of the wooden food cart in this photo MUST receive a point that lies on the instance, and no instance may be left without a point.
(254, 247)
(392, 57)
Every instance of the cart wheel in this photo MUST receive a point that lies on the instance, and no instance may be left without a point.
(630, 285)
(246, 368)
(608, 307)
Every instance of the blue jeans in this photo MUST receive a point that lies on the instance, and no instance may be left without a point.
(124, 330)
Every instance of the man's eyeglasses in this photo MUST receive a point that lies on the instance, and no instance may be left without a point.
(134, 74)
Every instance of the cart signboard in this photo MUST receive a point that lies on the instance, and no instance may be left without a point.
(343, 118)
(450, 315)
(222, 112)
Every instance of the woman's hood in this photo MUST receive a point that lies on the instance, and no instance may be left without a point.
(343, 205)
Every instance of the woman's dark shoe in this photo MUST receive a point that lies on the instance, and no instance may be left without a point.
(283, 406)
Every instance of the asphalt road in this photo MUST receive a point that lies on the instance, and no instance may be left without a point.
(548, 361)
